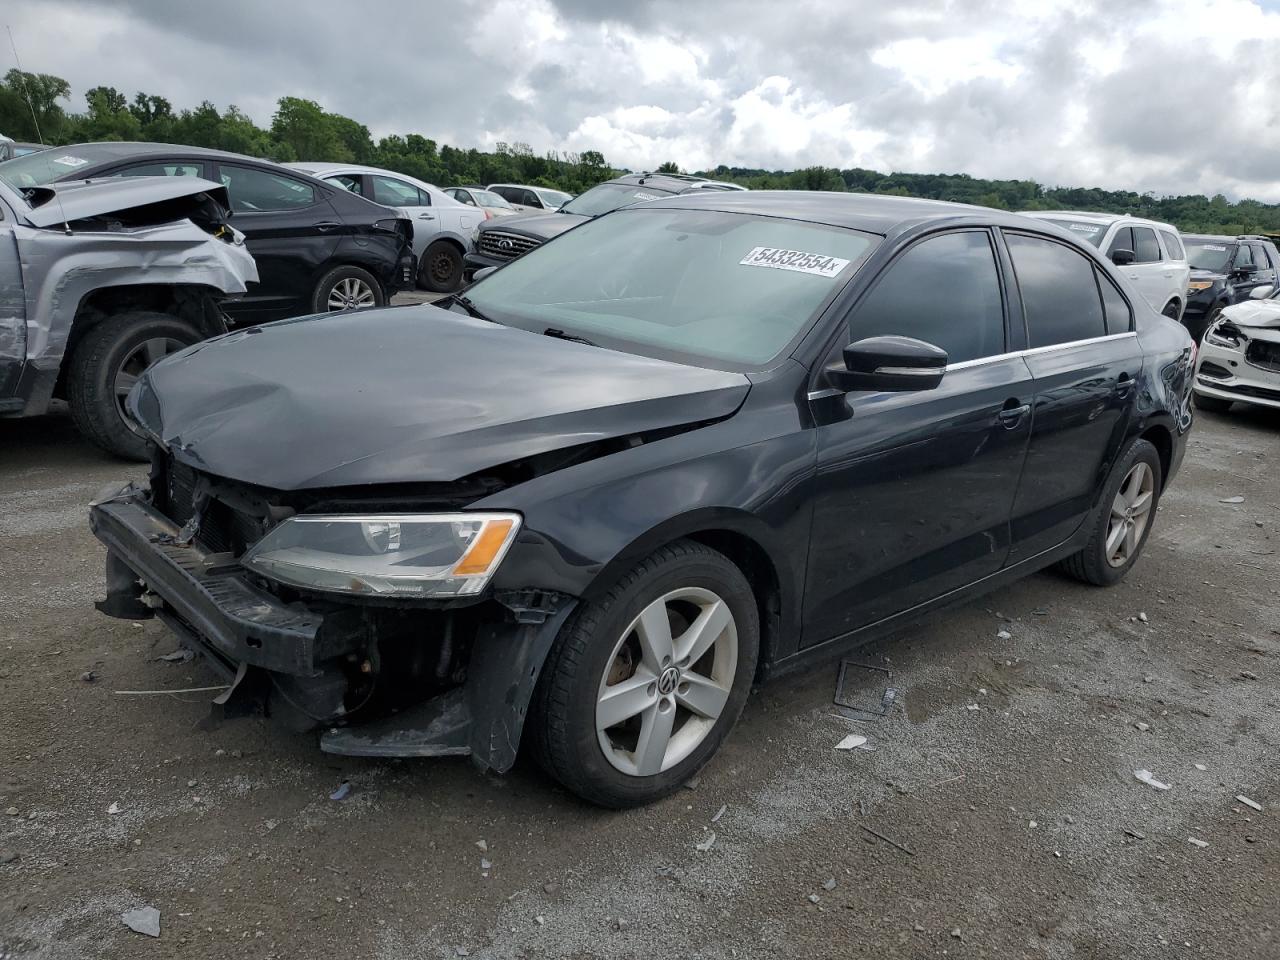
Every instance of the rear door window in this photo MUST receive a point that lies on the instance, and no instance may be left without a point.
(183, 168)
(1146, 249)
(1119, 318)
(262, 191)
(347, 181)
(959, 309)
(396, 193)
(1173, 245)
(1060, 296)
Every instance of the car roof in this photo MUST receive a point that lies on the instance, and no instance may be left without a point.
(126, 149)
(1107, 218)
(1215, 236)
(870, 213)
(323, 168)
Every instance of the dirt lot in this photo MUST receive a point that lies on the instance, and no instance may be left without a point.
(1007, 771)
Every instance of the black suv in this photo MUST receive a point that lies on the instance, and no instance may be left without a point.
(1226, 270)
(318, 247)
(500, 241)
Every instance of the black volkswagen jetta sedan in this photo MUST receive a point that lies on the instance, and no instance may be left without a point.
(317, 246)
(687, 445)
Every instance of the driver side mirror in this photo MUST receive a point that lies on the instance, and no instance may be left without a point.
(1122, 257)
(892, 364)
(1246, 269)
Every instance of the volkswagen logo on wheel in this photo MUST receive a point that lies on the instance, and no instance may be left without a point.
(668, 681)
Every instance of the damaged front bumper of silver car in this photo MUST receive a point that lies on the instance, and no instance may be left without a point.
(431, 678)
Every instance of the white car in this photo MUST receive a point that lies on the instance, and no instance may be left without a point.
(1149, 253)
(442, 226)
(486, 200)
(1239, 358)
(526, 198)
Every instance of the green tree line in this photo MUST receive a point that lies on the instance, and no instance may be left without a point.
(302, 130)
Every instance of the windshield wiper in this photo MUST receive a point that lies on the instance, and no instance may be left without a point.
(561, 335)
(466, 304)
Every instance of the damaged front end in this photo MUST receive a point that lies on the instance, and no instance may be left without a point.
(425, 676)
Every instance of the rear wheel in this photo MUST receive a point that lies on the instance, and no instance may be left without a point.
(105, 366)
(1212, 404)
(1171, 309)
(440, 269)
(643, 685)
(347, 288)
(1123, 520)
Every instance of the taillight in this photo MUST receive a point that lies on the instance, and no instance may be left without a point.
(488, 215)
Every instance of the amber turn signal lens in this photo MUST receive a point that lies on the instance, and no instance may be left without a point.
(481, 554)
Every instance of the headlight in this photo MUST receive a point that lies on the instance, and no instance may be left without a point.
(475, 236)
(1197, 285)
(1224, 333)
(420, 556)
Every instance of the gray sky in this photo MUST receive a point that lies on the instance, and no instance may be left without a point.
(1172, 96)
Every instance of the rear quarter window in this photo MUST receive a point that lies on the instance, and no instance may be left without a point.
(1173, 245)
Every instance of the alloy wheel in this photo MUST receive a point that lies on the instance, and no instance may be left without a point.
(667, 681)
(135, 363)
(351, 293)
(1130, 514)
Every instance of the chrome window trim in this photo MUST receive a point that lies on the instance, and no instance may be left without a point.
(1032, 351)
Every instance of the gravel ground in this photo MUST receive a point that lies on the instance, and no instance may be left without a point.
(1006, 770)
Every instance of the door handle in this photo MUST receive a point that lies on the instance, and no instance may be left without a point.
(1124, 383)
(327, 225)
(1012, 413)
(426, 216)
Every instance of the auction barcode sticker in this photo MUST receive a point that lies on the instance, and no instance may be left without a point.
(776, 258)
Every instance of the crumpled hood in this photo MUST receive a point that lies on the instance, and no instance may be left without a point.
(1254, 313)
(543, 226)
(404, 395)
(58, 203)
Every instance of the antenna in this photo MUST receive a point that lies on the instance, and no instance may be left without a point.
(23, 77)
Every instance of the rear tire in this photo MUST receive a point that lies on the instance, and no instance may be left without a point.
(347, 288)
(603, 648)
(1172, 309)
(1136, 471)
(440, 269)
(1211, 404)
(104, 367)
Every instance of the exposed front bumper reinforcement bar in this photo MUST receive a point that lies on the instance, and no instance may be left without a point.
(206, 591)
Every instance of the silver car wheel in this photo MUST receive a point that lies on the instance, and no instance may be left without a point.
(667, 681)
(351, 294)
(134, 365)
(1130, 514)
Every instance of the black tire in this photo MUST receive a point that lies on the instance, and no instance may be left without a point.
(1090, 564)
(371, 293)
(562, 719)
(1211, 404)
(440, 269)
(1171, 309)
(114, 346)
(1197, 333)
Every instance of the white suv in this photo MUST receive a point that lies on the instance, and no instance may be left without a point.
(1149, 253)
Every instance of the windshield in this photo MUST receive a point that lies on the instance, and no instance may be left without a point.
(41, 168)
(1211, 255)
(696, 285)
(487, 198)
(1083, 229)
(610, 196)
(553, 198)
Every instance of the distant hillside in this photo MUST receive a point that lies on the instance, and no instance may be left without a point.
(302, 130)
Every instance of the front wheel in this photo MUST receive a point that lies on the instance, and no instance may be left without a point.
(1123, 520)
(105, 366)
(440, 270)
(347, 288)
(643, 685)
